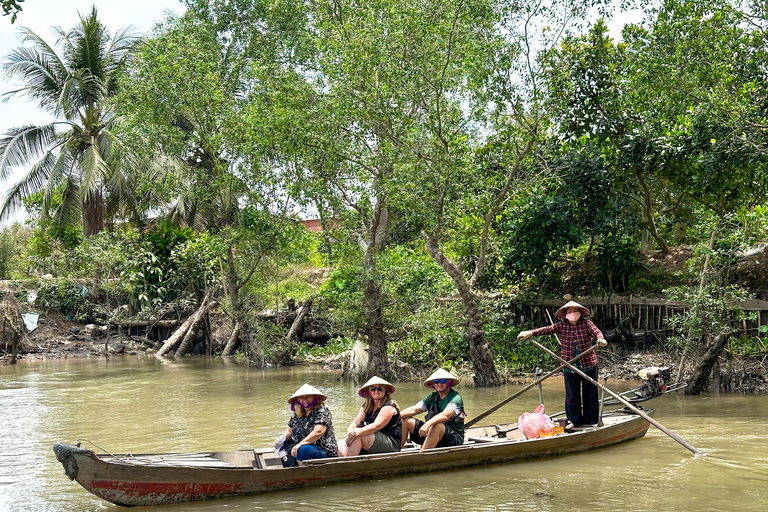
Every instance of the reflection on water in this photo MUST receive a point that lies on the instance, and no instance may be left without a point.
(151, 405)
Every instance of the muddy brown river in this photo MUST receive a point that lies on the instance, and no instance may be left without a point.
(145, 404)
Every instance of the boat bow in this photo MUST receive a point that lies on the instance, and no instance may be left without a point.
(65, 453)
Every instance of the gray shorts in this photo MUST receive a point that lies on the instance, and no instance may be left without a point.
(382, 443)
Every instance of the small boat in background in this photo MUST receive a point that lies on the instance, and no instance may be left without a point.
(163, 478)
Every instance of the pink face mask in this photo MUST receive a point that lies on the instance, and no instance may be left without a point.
(573, 316)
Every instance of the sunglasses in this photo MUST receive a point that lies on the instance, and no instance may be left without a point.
(441, 381)
(376, 388)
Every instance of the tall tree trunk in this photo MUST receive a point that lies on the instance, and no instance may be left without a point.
(93, 213)
(378, 363)
(326, 229)
(648, 213)
(231, 282)
(14, 341)
(479, 350)
(700, 375)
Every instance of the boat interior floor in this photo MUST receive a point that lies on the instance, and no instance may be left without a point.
(268, 459)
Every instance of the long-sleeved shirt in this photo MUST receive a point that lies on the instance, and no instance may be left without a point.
(574, 339)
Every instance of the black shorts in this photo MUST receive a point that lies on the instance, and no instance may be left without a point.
(450, 438)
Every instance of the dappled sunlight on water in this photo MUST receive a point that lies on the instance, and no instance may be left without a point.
(150, 405)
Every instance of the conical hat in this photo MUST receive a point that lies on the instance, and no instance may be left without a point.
(441, 374)
(305, 390)
(571, 304)
(373, 381)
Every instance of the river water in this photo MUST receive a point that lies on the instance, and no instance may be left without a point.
(147, 404)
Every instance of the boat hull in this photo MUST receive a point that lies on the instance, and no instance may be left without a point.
(134, 480)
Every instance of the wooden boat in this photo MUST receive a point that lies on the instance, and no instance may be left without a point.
(155, 479)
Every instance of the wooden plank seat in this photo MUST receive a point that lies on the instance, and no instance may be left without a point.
(487, 439)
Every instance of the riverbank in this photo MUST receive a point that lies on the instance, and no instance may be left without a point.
(57, 337)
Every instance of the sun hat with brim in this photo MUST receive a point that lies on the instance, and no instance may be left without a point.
(441, 374)
(305, 390)
(363, 391)
(563, 310)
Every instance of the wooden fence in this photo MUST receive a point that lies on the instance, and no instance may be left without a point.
(639, 322)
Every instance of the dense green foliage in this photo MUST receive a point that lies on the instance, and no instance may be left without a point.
(449, 151)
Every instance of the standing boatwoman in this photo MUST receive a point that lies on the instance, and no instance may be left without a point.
(576, 331)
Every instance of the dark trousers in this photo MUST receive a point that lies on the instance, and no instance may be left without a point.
(581, 403)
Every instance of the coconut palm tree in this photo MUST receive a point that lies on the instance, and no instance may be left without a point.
(77, 154)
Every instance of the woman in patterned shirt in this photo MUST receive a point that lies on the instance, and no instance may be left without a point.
(576, 333)
(310, 429)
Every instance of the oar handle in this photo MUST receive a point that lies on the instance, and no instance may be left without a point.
(526, 388)
(655, 423)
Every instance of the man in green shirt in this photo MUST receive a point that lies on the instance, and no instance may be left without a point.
(444, 423)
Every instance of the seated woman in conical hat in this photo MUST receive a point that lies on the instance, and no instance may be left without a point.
(309, 434)
(377, 427)
(443, 424)
(576, 331)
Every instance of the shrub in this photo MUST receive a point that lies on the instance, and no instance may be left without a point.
(64, 297)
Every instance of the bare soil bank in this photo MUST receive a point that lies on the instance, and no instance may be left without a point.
(58, 337)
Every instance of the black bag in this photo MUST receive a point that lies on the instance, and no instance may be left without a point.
(286, 458)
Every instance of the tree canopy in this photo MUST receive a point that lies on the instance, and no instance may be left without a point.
(487, 141)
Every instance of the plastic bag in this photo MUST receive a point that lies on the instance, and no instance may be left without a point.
(531, 424)
(30, 320)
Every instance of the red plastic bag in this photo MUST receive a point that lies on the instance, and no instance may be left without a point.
(532, 423)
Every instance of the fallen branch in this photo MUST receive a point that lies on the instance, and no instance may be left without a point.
(298, 320)
(175, 338)
(229, 348)
(198, 319)
(146, 341)
(182, 335)
(704, 369)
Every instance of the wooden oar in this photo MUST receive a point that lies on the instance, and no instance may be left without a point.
(526, 388)
(619, 398)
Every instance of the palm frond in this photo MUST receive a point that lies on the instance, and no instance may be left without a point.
(40, 78)
(70, 210)
(46, 50)
(20, 146)
(118, 153)
(118, 159)
(183, 211)
(32, 182)
(87, 45)
(82, 91)
(123, 43)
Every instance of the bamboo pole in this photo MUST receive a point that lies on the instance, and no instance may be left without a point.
(526, 388)
(626, 403)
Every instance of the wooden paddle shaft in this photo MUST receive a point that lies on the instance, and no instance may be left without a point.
(526, 388)
(620, 399)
